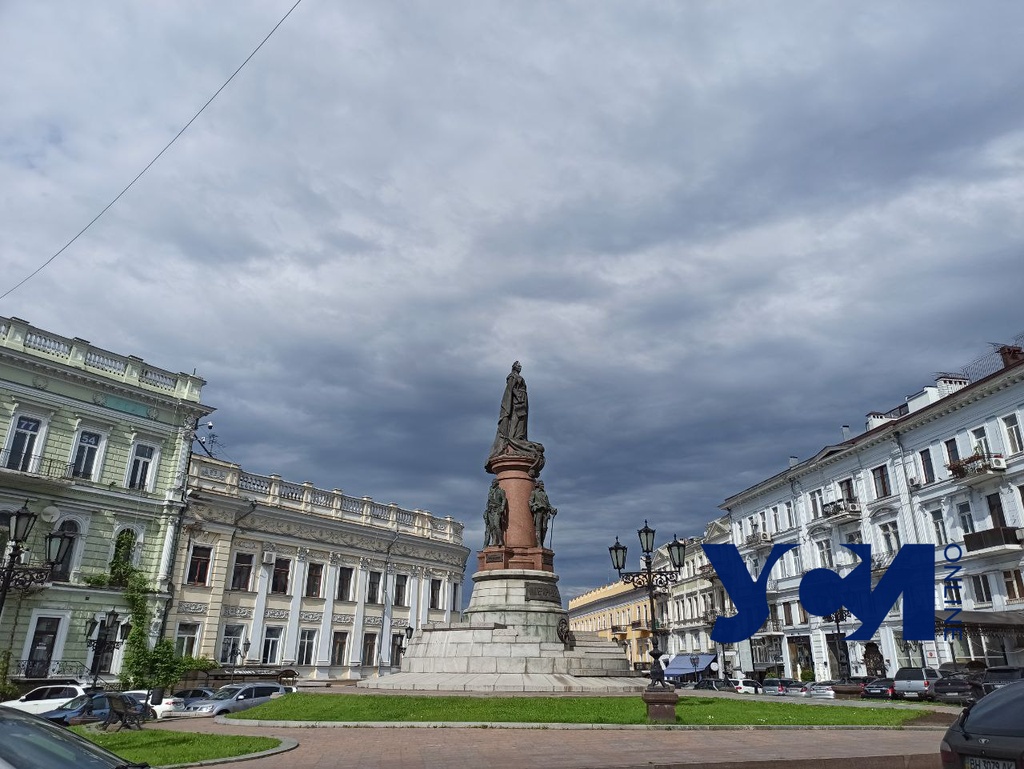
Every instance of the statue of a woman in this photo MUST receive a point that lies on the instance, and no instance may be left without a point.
(495, 516)
(510, 436)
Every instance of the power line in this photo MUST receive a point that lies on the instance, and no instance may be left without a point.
(130, 184)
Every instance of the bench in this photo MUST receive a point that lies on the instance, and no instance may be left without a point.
(121, 713)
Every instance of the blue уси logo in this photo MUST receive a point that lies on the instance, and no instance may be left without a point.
(823, 591)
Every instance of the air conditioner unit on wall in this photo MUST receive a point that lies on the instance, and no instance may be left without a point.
(269, 557)
(765, 536)
(853, 507)
(997, 463)
(914, 483)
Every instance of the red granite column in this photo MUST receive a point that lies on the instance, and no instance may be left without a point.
(521, 550)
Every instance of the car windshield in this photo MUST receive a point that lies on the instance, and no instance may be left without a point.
(76, 703)
(29, 741)
(227, 693)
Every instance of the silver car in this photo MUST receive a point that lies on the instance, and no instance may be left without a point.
(234, 698)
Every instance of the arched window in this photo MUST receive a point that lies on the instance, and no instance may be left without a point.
(62, 571)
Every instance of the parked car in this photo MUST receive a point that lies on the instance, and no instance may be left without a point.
(236, 697)
(821, 690)
(915, 683)
(192, 695)
(44, 698)
(997, 677)
(958, 688)
(880, 688)
(851, 686)
(988, 734)
(167, 704)
(776, 687)
(30, 742)
(798, 689)
(746, 685)
(96, 706)
(715, 685)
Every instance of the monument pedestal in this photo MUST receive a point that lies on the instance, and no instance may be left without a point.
(661, 705)
(504, 558)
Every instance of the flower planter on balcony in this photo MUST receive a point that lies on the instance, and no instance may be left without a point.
(977, 468)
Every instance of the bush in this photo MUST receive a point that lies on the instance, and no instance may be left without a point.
(807, 675)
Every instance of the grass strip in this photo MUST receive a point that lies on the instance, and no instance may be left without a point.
(564, 710)
(162, 748)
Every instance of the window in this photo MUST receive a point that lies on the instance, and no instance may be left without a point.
(397, 641)
(231, 644)
(62, 571)
(980, 586)
(963, 510)
(338, 643)
(846, 490)
(980, 441)
(927, 469)
(369, 648)
(816, 503)
(787, 613)
(1014, 441)
(825, 553)
(307, 646)
(314, 576)
(939, 527)
(401, 581)
(272, 645)
(798, 561)
(455, 597)
(373, 588)
(85, 455)
(890, 537)
(199, 565)
(435, 594)
(186, 640)
(790, 519)
(880, 475)
(44, 639)
(279, 580)
(776, 523)
(951, 592)
(344, 584)
(22, 450)
(995, 510)
(140, 471)
(1014, 585)
(952, 451)
(241, 572)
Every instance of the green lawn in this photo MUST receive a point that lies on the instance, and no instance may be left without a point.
(563, 710)
(161, 748)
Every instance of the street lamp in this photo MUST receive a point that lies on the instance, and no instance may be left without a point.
(694, 661)
(103, 642)
(16, 575)
(911, 646)
(235, 653)
(840, 615)
(650, 578)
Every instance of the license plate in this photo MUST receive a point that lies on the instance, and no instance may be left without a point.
(975, 762)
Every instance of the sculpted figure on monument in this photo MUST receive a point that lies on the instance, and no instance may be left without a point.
(495, 516)
(511, 437)
(543, 512)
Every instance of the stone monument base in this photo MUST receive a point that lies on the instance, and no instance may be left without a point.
(504, 558)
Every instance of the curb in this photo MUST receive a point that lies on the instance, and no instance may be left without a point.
(287, 743)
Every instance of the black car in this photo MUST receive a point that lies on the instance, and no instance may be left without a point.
(715, 685)
(997, 677)
(988, 734)
(958, 688)
(30, 742)
(880, 688)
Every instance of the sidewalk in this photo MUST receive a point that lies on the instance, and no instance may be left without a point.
(385, 747)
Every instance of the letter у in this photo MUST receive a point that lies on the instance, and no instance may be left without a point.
(911, 573)
(749, 595)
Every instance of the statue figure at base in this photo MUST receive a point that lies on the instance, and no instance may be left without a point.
(495, 516)
(543, 512)
(510, 437)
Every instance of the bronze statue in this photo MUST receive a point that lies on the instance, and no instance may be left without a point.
(543, 512)
(495, 516)
(511, 435)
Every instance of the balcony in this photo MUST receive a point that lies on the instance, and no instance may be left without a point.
(759, 540)
(841, 509)
(770, 627)
(709, 617)
(42, 669)
(34, 472)
(997, 537)
(707, 571)
(977, 468)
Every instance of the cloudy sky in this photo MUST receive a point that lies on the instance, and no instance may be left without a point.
(713, 232)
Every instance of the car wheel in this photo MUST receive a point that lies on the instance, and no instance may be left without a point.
(152, 715)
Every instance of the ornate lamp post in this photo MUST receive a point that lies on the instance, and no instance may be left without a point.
(911, 646)
(15, 575)
(103, 642)
(650, 579)
(840, 615)
(237, 652)
(694, 661)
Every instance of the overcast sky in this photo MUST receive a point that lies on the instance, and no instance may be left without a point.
(713, 232)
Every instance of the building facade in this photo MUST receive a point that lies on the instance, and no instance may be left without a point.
(279, 578)
(618, 612)
(95, 443)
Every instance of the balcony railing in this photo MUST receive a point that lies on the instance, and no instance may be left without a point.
(977, 468)
(620, 628)
(760, 539)
(707, 571)
(49, 669)
(770, 626)
(841, 508)
(996, 537)
(709, 617)
(35, 464)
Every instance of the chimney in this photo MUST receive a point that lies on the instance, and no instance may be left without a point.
(793, 461)
(1011, 354)
(846, 432)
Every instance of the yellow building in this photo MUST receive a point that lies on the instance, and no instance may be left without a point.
(620, 613)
